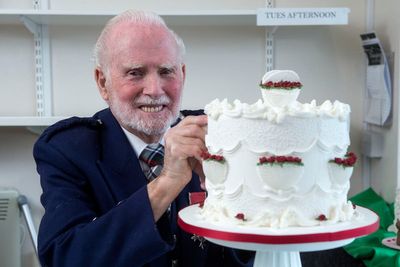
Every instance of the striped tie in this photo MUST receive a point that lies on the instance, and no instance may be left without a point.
(151, 160)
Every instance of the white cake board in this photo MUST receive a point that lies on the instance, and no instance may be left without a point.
(279, 247)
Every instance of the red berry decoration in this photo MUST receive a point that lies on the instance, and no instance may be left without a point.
(240, 216)
(348, 161)
(322, 217)
(280, 160)
(207, 156)
(287, 85)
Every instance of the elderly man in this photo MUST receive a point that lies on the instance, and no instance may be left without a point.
(106, 201)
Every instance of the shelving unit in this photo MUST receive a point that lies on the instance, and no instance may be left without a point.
(37, 22)
(189, 18)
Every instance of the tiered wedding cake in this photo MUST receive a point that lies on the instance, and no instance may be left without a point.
(278, 162)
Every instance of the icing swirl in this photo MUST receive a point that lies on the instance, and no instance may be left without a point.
(262, 110)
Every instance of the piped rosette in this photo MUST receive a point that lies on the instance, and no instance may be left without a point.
(280, 88)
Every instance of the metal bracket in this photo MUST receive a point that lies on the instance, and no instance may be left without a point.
(269, 50)
(269, 43)
(43, 77)
(41, 4)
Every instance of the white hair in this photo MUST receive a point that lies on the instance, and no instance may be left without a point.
(134, 16)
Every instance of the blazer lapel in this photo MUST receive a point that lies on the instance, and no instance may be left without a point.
(118, 162)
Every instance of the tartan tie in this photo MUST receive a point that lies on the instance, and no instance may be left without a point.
(151, 160)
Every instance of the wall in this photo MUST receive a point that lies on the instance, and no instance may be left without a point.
(16, 55)
(385, 171)
(223, 62)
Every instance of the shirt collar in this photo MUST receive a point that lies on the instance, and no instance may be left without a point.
(137, 144)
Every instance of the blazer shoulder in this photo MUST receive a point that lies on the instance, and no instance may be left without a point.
(76, 137)
(71, 126)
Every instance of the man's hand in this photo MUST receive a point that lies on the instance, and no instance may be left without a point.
(183, 147)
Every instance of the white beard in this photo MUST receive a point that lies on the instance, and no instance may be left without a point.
(129, 117)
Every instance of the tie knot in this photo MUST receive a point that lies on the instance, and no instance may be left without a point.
(153, 155)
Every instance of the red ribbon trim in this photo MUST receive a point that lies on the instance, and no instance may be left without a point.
(281, 239)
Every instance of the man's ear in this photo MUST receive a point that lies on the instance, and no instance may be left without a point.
(101, 83)
(183, 72)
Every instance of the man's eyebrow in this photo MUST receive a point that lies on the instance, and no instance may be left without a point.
(168, 66)
(133, 66)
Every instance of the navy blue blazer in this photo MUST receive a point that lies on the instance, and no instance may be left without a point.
(97, 210)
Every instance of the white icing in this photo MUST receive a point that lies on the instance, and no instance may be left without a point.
(280, 178)
(280, 75)
(279, 97)
(215, 171)
(339, 175)
(261, 110)
(299, 210)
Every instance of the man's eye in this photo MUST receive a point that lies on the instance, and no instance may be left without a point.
(135, 73)
(166, 71)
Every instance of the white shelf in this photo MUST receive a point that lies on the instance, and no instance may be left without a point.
(28, 121)
(190, 18)
(239, 17)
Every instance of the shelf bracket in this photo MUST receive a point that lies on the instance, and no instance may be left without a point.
(43, 78)
(269, 50)
(269, 43)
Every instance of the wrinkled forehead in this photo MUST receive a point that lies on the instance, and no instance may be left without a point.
(124, 28)
(128, 37)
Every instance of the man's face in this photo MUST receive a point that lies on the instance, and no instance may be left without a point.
(145, 78)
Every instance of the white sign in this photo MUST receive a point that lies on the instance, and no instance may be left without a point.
(302, 16)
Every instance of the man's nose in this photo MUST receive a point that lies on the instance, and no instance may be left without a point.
(153, 85)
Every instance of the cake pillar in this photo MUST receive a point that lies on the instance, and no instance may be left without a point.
(277, 259)
(398, 232)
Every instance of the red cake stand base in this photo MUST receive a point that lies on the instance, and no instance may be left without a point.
(279, 247)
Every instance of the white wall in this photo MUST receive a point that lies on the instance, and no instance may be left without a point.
(385, 171)
(17, 72)
(223, 62)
